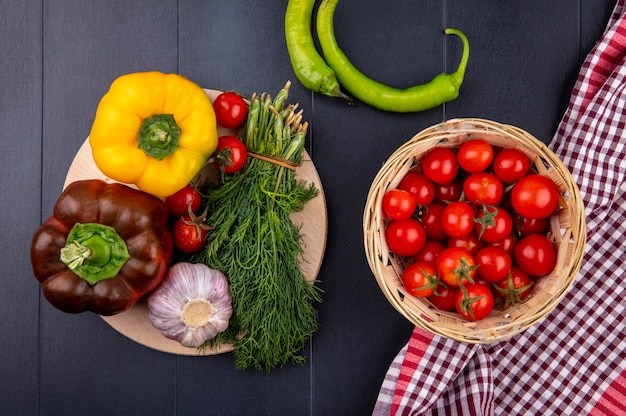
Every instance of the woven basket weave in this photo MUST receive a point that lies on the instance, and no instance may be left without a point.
(567, 229)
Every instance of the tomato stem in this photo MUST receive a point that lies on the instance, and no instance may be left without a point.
(487, 220)
(433, 281)
(511, 293)
(467, 302)
(464, 271)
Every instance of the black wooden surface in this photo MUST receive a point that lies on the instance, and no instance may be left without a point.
(60, 56)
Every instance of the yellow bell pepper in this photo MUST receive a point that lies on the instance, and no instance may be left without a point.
(153, 130)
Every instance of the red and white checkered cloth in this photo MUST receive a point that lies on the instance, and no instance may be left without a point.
(574, 361)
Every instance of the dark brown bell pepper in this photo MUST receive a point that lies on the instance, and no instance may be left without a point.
(104, 247)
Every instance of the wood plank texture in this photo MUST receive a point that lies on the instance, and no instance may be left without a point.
(60, 56)
(86, 366)
(20, 203)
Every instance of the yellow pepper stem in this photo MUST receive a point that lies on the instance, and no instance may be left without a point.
(159, 136)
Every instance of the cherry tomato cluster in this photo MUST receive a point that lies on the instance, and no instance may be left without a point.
(471, 223)
(231, 111)
(189, 228)
(189, 231)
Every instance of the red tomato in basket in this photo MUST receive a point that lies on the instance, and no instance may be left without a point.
(535, 196)
(470, 242)
(431, 220)
(448, 192)
(422, 188)
(429, 252)
(457, 219)
(494, 263)
(405, 237)
(507, 243)
(475, 303)
(475, 155)
(483, 189)
(511, 165)
(440, 165)
(514, 288)
(398, 204)
(456, 266)
(524, 226)
(444, 297)
(535, 254)
(419, 279)
(493, 224)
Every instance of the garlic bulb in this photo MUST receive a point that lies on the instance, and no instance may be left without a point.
(191, 305)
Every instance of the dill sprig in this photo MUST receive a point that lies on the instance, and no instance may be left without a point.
(257, 246)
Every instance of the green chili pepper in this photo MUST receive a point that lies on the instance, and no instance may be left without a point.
(308, 65)
(443, 88)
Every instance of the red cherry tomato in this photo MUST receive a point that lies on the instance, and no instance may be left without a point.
(526, 226)
(431, 220)
(475, 155)
(398, 204)
(230, 110)
(456, 266)
(429, 252)
(457, 219)
(470, 242)
(507, 244)
(422, 188)
(510, 165)
(479, 280)
(231, 154)
(405, 237)
(444, 297)
(493, 224)
(440, 165)
(475, 303)
(188, 237)
(483, 189)
(535, 196)
(535, 255)
(180, 202)
(448, 192)
(514, 288)
(419, 279)
(493, 263)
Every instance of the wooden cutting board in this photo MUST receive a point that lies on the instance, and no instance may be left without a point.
(135, 324)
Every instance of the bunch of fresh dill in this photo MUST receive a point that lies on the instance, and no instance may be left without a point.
(257, 246)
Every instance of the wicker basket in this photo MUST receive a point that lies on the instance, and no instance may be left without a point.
(567, 230)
